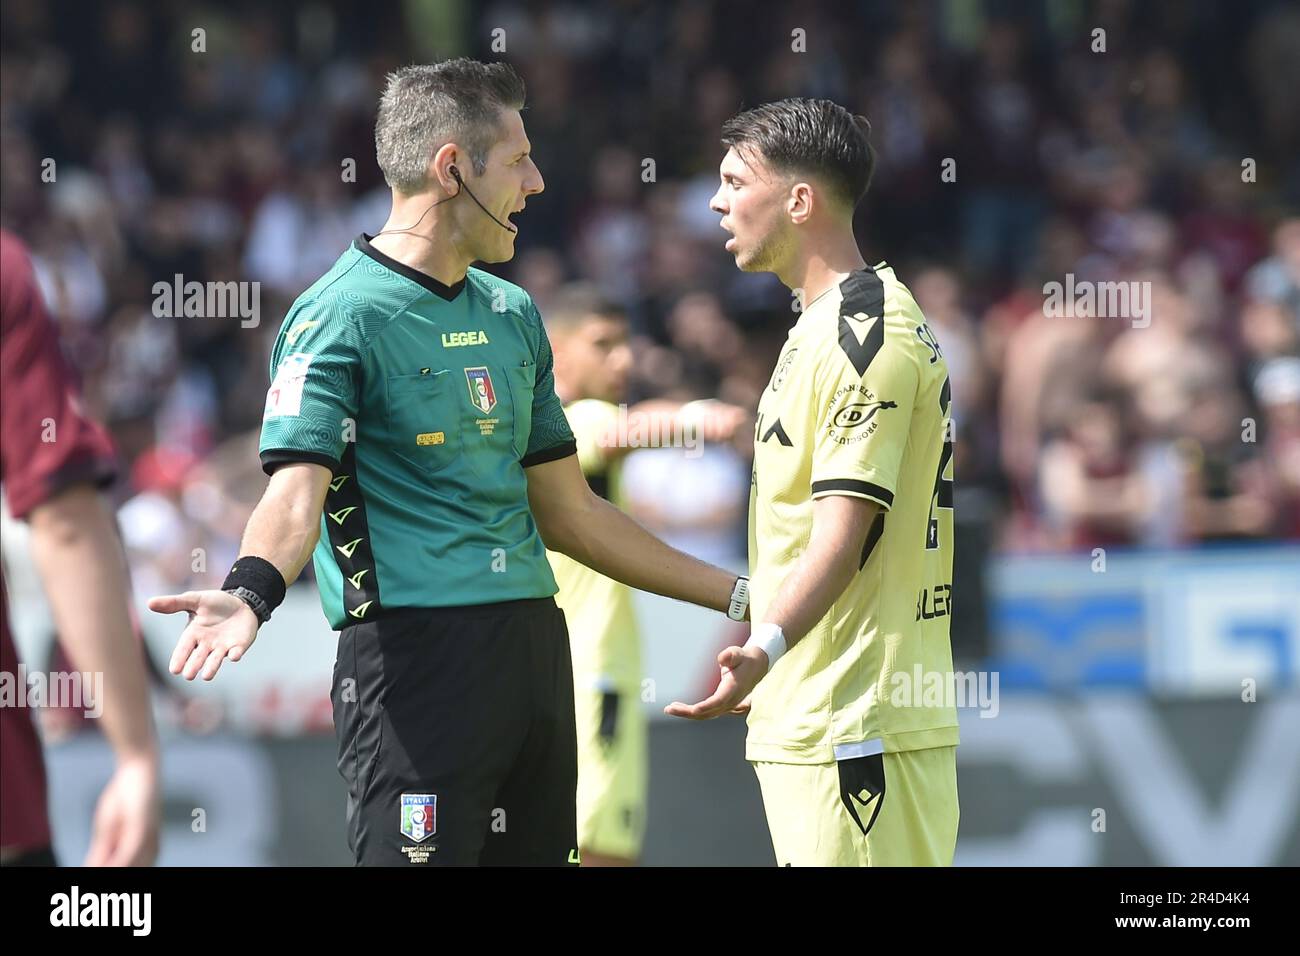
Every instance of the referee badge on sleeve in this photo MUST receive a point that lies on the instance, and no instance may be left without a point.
(285, 394)
(419, 816)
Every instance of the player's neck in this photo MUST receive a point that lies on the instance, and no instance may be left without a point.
(823, 266)
(428, 247)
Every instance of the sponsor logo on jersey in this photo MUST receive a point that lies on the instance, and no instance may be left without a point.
(783, 369)
(481, 393)
(850, 408)
(454, 340)
(859, 413)
(294, 333)
(430, 438)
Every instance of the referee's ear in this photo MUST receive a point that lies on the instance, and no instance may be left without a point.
(448, 156)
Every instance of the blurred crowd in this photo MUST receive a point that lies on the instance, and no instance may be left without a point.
(1170, 158)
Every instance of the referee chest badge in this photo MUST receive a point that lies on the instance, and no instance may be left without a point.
(481, 393)
(419, 815)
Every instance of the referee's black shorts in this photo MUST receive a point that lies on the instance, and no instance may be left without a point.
(456, 736)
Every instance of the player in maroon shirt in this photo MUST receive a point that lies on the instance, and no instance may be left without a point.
(53, 460)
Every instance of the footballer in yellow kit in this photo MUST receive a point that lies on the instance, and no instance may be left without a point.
(606, 649)
(850, 518)
(590, 341)
(857, 406)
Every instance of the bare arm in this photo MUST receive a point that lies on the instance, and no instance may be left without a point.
(283, 530)
(575, 521)
(1116, 502)
(663, 422)
(79, 557)
(840, 526)
(284, 526)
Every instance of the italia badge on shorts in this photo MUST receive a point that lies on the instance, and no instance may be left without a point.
(481, 392)
(419, 815)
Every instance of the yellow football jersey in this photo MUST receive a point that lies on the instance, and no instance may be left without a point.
(858, 405)
(601, 618)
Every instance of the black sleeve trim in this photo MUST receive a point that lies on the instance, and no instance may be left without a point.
(273, 458)
(854, 486)
(554, 453)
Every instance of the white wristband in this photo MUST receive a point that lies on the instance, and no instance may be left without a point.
(771, 639)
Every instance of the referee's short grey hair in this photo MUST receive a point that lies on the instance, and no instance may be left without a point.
(424, 107)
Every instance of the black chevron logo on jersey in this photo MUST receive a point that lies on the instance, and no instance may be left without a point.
(862, 782)
(780, 434)
(863, 305)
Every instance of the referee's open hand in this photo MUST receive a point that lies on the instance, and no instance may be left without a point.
(221, 626)
(742, 669)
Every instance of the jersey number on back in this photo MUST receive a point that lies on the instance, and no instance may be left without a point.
(942, 495)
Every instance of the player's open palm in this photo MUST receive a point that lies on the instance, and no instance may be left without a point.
(742, 669)
(221, 626)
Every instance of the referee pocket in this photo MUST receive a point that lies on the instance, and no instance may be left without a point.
(424, 419)
(522, 380)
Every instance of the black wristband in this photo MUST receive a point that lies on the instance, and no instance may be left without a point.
(259, 576)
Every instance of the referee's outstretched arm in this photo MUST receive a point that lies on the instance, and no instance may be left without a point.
(282, 532)
(575, 521)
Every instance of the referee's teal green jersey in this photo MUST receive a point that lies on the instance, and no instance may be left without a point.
(427, 402)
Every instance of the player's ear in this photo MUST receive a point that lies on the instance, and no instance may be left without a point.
(799, 203)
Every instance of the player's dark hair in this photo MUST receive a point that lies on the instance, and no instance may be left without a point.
(578, 301)
(426, 105)
(817, 137)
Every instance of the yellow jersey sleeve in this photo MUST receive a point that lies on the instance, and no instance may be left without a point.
(863, 412)
(603, 636)
(593, 423)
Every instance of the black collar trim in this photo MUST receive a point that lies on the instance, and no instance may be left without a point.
(439, 289)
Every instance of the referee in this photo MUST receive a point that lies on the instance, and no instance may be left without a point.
(416, 445)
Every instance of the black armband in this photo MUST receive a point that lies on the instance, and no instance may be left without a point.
(258, 583)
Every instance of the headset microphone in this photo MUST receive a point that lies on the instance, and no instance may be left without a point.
(456, 173)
